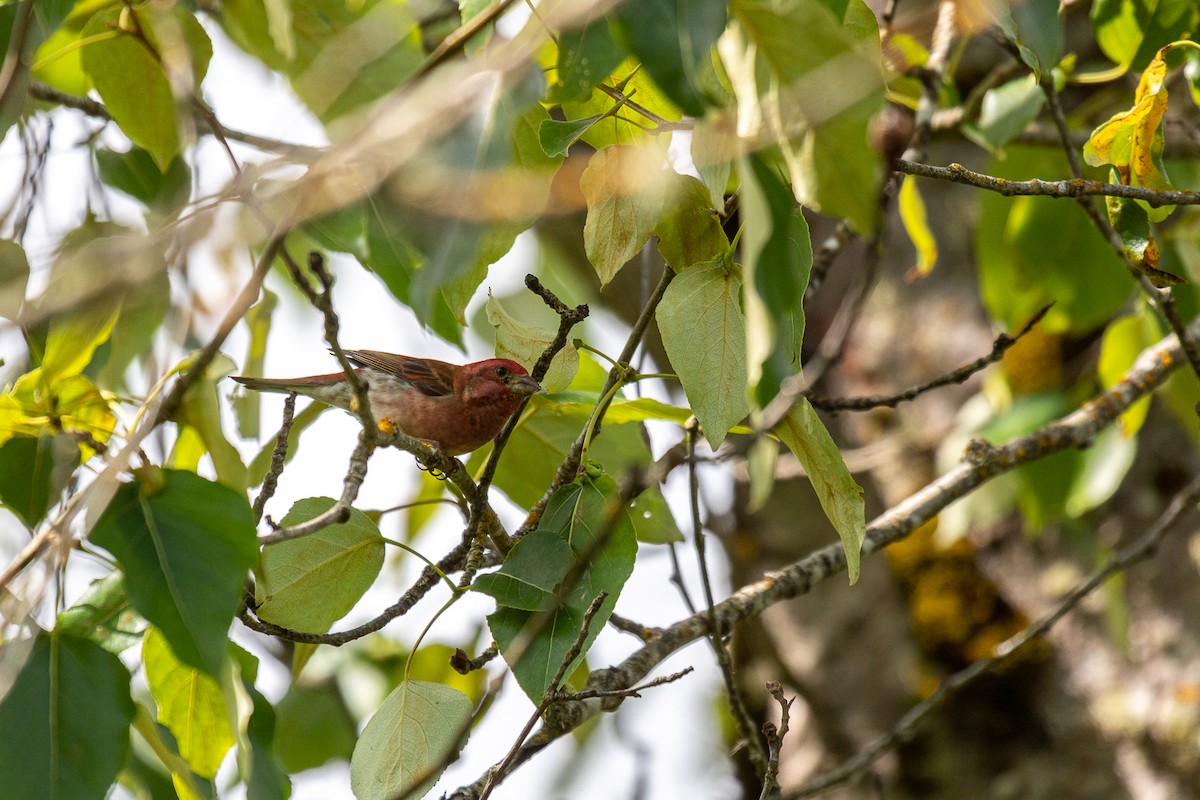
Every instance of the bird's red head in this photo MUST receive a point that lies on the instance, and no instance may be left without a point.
(494, 379)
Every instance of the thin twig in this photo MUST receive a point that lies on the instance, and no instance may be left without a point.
(46, 93)
(635, 691)
(999, 347)
(737, 706)
(774, 737)
(1072, 187)
(278, 455)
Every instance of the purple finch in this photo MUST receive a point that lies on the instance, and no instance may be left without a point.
(458, 408)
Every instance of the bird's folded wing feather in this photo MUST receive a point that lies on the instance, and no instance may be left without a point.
(434, 378)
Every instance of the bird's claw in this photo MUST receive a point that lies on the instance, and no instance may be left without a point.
(436, 464)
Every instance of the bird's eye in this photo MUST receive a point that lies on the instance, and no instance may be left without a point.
(502, 371)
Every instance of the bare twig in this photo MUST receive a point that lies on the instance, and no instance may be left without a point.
(774, 736)
(737, 706)
(1073, 187)
(635, 691)
(44, 92)
(278, 455)
(999, 347)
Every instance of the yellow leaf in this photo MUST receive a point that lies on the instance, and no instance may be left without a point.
(1132, 140)
(916, 224)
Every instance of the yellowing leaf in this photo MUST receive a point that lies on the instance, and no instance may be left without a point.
(525, 343)
(190, 704)
(623, 126)
(841, 497)
(1123, 341)
(624, 188)
(916, 224)
(73, 339)
(1132, 140)
(700, 318)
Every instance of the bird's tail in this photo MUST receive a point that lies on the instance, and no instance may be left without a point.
(266, 384)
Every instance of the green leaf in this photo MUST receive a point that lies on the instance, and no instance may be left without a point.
(674, 40)
(700, 318)
(201, 410)
(130, 78)
(267, 779)
(1035, 250)
(143, 308)
(624, 188)
(339, 56)
(33, 472)
(1006, 111)
(600, 536)
(777, 248)
(653, 522)
(916, 225)
(136, 174)
(67, 715)
(186, 545)
(313, 727)
(104, 616)
(690, 231)
(840, 496)
(403, 747)
(557, 136)
(247, 406)
(530, 572)
(714, 146)
(525, 343)
(307, 584)
(190, 704)
(1132, 141)
(44, 18)
(586, 56)
(778, 58)
(1130, 32)
(1123, 340)
(14, 276)
(579, 405)
(1037, 29)
(1132, 224)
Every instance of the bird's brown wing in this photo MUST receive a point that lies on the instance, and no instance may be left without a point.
(430, 377)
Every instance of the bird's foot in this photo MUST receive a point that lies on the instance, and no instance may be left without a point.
(438, 463)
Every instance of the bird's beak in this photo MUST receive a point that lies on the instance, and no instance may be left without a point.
(523, 385)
